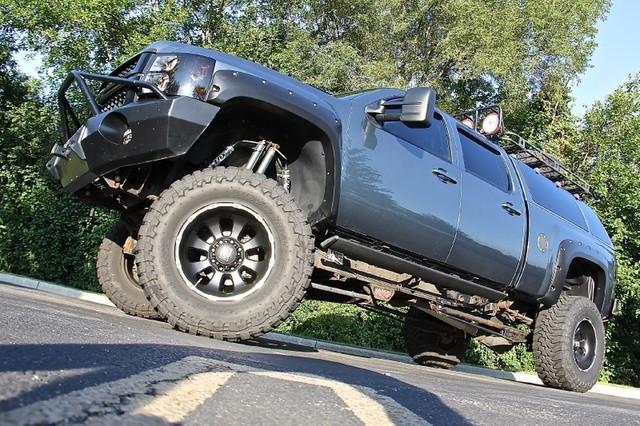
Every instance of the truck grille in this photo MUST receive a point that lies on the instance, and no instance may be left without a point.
(113, 95)
(114, 101)
(128, 69)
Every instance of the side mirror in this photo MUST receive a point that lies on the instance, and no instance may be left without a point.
(415, 109)
(418, 107)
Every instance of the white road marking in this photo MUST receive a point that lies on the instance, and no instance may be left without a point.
(370, 408)
(364, 407)
(183, 398)
(111, 398)
(172, 392)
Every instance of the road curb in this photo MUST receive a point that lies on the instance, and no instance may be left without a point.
(336, 347)
(34, 284)
(40, 285)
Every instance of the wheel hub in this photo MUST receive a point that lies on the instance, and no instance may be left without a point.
(584, 345)
(226, 254)
(224, 251)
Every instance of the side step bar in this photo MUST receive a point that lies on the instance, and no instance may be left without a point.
(397, 264)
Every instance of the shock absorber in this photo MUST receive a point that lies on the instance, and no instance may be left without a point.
(268, 158)
(263, 155)
(257, 152)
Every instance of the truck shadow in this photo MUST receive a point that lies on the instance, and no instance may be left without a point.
(109, 362)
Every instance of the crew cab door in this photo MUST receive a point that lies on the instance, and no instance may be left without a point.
(491, 232)
(400, 185)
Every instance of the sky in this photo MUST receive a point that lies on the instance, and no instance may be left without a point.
(616, 57)
(28, 63)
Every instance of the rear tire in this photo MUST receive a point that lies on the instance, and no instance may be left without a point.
(225, 253)
(569, 344)
(117, 275)
(433, 343)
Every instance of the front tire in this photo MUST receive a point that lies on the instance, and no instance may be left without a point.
(225, 253)
(569, 343)
(433, 343)
(117, 275)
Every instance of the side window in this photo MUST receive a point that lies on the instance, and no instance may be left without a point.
(549, 196)
(432, 139)
(595, 225)
(483, 162)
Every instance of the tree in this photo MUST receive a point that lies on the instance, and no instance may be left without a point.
(471, 51)
(35, 215)
(609, 155)
(90, 34)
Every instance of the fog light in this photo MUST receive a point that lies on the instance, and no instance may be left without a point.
(115, 128)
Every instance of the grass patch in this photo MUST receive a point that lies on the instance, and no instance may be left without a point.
(355, 326)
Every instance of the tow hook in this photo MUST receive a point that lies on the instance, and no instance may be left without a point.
(58, 151)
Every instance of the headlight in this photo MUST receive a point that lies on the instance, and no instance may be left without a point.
(184, 75)
(160, 71)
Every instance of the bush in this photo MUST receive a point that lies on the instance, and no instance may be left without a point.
(355, 326)
(44, 233)
(345, 324)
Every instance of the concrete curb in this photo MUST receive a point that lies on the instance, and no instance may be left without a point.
(20, 281)
(599, 388)
(335, 347)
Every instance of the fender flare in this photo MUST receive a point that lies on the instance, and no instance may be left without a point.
(568, 251)
(230, 84)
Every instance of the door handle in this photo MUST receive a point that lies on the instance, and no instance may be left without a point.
(443, 176)
(509, 208)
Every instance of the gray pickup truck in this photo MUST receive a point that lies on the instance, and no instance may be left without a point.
(242, 190)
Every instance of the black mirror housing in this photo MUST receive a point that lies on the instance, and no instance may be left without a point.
(418, 106)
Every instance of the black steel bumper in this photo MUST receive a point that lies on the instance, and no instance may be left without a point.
(136, 133)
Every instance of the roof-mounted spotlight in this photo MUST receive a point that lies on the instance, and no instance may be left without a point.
(492, 124)
(468, 121)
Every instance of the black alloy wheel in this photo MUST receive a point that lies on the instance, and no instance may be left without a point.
(225, 251)
(584, 345)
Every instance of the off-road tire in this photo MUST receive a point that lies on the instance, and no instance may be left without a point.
(261, 310)
(553, 337)
(431, 342)
(117, 277)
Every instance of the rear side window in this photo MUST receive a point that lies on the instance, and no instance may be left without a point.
(432, 139)
(549, 196)
(596, 227)
(483, 162)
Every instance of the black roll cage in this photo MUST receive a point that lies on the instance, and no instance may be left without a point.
(80, 78)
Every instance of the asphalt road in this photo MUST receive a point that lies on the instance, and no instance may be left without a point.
(69, 361)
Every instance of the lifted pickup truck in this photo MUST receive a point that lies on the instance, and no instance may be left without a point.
(241, 190)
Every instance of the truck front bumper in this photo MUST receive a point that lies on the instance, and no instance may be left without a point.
(138, 132)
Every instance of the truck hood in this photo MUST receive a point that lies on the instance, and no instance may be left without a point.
(225, 61)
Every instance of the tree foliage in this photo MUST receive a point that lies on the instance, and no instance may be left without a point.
(471, 51)
(523, 54)
(609, 154)
(43, 233)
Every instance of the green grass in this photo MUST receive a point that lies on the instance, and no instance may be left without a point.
(355, 326)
